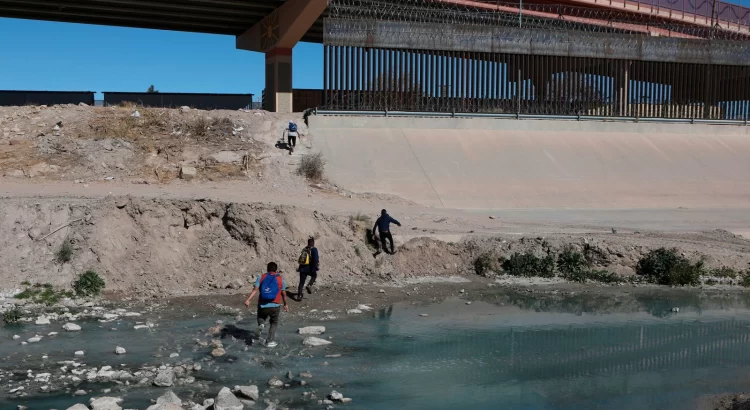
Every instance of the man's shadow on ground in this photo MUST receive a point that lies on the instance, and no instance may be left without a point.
(238, 333)
(284, 146)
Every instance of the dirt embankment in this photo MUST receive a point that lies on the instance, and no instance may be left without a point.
(131, 143)
(171, 247)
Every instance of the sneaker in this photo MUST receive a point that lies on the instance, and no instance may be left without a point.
(271, 344)
(309, 291)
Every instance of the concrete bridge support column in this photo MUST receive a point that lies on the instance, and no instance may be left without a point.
(278, 97)
(275, 36)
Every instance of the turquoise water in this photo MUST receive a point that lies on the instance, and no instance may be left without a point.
(508, 351)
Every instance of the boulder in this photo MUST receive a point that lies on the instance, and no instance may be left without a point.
(315, 341)
(275, 382)
(166, 406)
(165, 378)
(335, 396)
(71, 327)
(227, 157)
(312, 330)
(42, 320)
(188, 173)
(106, 403)
(218, 352)
(251, 392)
(79, 353)
(169, 397)
(225, 400)
(78, 406)
(120, 350)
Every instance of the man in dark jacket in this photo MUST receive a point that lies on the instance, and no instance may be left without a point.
(308, 269)
(383, 226)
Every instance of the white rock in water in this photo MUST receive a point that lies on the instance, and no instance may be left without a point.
(225, 400)
(42, 320)
(169, 397)
(353, 312)
(364, 307)
(52, 334)
(275, 382)
(78, 406)
(120, 350)
(312, 330)
(16, 337)
(676, 310)
(251, 392)
(79, 353)
(106, 403)
(335, 396)
(35, 339)
(173, 355)
(315, 341)
(165, 378)
(71, 327)
(168, 406)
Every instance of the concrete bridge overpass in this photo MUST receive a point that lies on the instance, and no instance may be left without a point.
(275, 26)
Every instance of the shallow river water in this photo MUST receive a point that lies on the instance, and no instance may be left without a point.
(508, 351)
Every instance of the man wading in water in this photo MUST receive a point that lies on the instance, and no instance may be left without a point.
(383, 225)
(309, 261)
(272, 289)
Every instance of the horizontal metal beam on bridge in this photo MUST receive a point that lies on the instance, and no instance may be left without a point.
(522, 41)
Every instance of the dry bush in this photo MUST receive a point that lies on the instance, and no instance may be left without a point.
(312, 166)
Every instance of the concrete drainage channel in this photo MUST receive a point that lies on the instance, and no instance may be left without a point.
(528, 117)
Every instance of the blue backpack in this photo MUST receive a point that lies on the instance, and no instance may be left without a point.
(269, 288)
(292, 127)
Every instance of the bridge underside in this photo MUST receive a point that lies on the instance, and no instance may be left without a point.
(227, 17)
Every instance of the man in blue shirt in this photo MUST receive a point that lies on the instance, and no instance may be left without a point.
(308, 267)
(271, 288)
(383, 225)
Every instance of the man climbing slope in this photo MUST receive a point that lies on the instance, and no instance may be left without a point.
(383, 225)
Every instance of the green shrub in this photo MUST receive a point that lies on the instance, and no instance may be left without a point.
(723, 272)
(12, 316)
(666, 267)
(65, 253)
(745, 279)
(88, 284)
(603, 276)
(571, 263)
(485, 264)
(530, 265)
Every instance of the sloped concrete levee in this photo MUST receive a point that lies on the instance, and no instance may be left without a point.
(506, 164)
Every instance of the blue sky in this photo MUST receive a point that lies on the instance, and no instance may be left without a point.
(39, 55)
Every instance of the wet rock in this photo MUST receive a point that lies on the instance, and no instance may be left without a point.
(306, 375)
(247, 403)
(225, 400)
(250, 392)
(80, 393)
(35, 339)
(218, 352)
(353, 312)
(312, 330)
(169, 397)
(106, 403)
(173, 355)
(289, 375)
(275, 382)
(120, 350)
(167, 406)
(16, 337)
(315, 341)
(335, 396)
(79, 353)
(78, 406)
(165, 378)
(71, 327)
(42, 320)
(188, 173)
